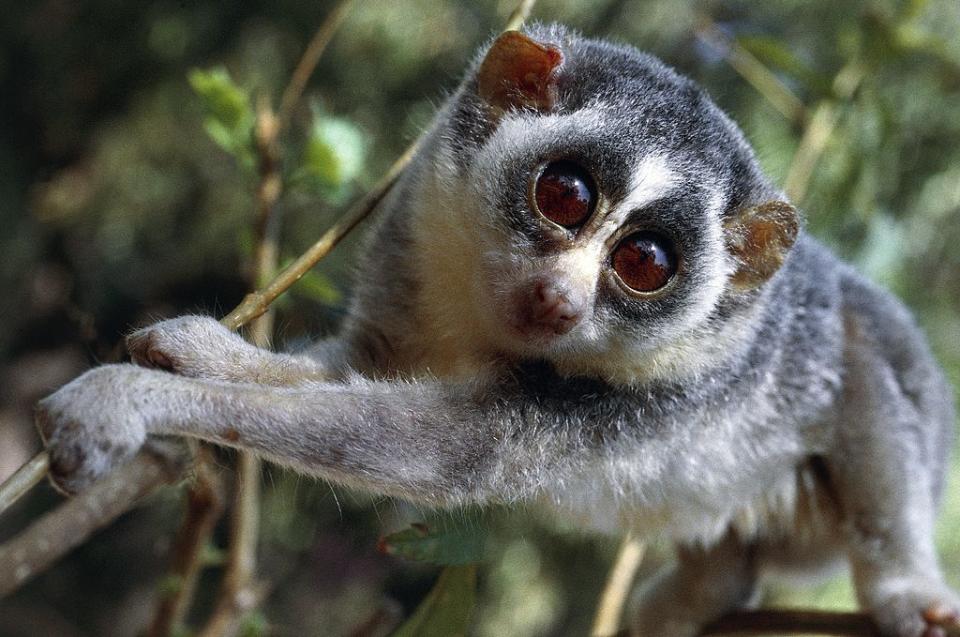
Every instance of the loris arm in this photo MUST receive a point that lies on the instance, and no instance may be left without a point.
(424, 441)
(200, 347)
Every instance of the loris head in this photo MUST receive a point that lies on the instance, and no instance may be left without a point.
(617, 215)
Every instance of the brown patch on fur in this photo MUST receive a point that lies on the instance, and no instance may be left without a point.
(231, 435)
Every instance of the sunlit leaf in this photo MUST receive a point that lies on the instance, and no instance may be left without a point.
(334, 153)
(447, 608)
(223, 100)
(229, 117)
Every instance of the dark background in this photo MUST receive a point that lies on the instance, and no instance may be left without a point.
(116, 209)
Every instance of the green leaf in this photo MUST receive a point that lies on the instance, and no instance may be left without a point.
(224, 101)
(461, 544)
(334, 153)
(229, 117)
(446, 610)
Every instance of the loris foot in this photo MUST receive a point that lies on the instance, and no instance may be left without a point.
(93, 424)
(933, 611)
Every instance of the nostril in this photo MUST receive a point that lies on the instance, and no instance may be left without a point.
(544, 307)
(553, 309)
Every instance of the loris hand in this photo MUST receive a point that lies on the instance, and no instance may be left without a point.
(194, 346)
(200, 347)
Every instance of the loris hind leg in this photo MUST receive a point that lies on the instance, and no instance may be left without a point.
(884, 470)
(704, 584)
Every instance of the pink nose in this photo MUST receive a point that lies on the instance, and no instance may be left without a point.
(547, 308)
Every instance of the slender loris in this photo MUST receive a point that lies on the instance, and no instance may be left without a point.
(584, 293)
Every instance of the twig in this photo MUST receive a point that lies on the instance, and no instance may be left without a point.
(308, 62)
(753, 71)
(519, 15)
(237, 595)
(256, 303)
(239, 590)
(617, 589)
(74, 521)
(23, 479)
(818, 132)
(204, 506)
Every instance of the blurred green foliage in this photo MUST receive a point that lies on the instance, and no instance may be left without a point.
(447, 609)
(229, 117)
(445, 544)
(126, 188)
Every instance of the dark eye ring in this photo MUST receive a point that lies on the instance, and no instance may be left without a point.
(645, 261)
(565, 193)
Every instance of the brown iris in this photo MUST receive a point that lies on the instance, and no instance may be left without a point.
(565, 194)
(645, 261)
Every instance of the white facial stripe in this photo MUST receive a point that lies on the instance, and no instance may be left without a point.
(653, 179)
(582, 264)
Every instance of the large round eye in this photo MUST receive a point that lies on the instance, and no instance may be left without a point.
(565, 193)
(645, 261)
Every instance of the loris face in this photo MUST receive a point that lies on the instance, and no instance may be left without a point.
(603, 193)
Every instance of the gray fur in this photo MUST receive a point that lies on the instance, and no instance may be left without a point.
(765, 429)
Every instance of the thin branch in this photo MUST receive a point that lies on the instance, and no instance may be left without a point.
(617, 589)
(817, 134)
(753, 71)
(519, 15)
(74, 521)
(253, 305)
(204, 506)
(239, 590)
(256, 303)
(308, 62)
(23, 479)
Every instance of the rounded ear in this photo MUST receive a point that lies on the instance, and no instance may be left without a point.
(759, 238)
(519, 72)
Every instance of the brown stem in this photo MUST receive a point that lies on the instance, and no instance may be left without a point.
(256, 303)
(754, 72)
(239, 590)
(235, 596)
(73, 522)
(23, 479)
(519, 15)
(817, 134)
(204, 504)
(308, 62)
